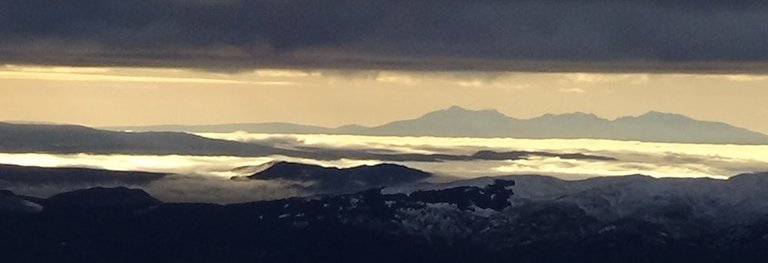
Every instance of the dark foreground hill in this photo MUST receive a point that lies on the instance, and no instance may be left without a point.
(473, 221)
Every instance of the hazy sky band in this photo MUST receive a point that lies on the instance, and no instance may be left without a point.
(145, 96)
(548, 35)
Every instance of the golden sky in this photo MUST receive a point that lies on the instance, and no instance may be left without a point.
(143, 96)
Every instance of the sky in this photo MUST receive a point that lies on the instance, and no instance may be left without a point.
(488, 35)
(106, 96)
(335, 62)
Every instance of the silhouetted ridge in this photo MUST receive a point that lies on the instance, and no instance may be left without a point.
(101, 197)
(28, 175)
(12, 203)
(345, 179)
(457, 111)
(657, 115)
(750, 176)
(576, 116)
(79, 139)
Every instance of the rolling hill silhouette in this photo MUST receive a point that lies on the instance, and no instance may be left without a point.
(456, 121)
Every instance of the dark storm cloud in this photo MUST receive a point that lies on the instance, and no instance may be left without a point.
(548, 35)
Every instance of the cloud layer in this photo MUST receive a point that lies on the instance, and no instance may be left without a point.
(548, 35)
(207, 178)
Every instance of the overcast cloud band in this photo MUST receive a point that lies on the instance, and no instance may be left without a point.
(536, 35)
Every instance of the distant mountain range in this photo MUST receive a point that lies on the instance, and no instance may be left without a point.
(459, 122)
(68, 139)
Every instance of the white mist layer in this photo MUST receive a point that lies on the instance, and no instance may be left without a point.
(653, 159)
(218, 166)
(423, 144)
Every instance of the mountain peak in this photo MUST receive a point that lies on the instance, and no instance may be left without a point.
(657, 115)
(660, 113)
(573, 115)
(461, 112)
(456, 108)
(582, 114)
